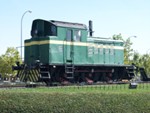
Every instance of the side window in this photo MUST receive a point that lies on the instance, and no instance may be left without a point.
(49, 30)
(69, 35)
(77, 35)
(53, 30)
(40, 28)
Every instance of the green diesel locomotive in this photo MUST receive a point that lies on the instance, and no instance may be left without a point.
(63, 52)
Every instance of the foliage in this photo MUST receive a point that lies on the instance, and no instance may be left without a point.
(7, 60)
(131, 56)
(142, 61)
(128, 51)
(93, 101)
(118, 37)
(146, 63)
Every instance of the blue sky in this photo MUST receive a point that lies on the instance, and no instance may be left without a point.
(128, 17)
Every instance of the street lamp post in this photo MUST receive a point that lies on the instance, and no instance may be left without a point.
(132, 36)
(28, 11)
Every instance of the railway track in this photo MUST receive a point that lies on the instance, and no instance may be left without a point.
(34, 85)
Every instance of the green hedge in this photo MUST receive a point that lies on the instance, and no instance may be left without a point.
(82, 102)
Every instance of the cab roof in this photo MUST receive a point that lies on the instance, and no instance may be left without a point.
(68, 24)
(65, 24)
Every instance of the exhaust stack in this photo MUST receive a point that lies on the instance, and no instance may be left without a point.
(91, 27)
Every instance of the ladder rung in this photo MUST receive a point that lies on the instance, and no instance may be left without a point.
(45, 77)
(43, 67)
(69, 77)
(44, 72)
(68, 60)
(69, 67)
(69, 72)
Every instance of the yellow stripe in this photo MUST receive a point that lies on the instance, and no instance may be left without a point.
(30, 79)
(35, 76)
(31, 76)
(72, 43)
(22, 75)
(37, 43)
(36, 73)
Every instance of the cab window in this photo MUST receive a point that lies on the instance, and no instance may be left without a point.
(77, 35)
(69, 35)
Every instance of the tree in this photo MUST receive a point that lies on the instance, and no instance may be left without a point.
(145, 62)
(142, 61)
(137, 59)
(7, 60)
(118, 37)
(128, 51)
(131, 56)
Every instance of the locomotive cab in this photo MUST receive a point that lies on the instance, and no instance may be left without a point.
(48, 40)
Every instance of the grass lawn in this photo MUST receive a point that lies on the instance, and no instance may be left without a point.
(77, 99)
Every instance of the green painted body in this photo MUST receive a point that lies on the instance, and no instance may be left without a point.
(57, 50)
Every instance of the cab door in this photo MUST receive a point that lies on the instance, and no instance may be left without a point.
(69, 45)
